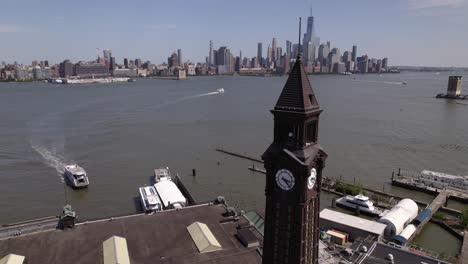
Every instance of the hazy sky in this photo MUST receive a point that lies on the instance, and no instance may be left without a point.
(409, 32)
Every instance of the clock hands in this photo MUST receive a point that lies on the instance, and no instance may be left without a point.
(288, 182)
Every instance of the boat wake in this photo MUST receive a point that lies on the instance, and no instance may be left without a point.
(51, 158)
(48, 140)
(186, 98)
(396, 83)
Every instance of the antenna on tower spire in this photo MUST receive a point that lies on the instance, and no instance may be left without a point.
(310, 7)
(299, 52)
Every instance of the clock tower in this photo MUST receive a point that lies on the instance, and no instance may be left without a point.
(293, 163)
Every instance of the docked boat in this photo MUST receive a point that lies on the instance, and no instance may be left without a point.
(75, 176)
(361, 201)
(171, 196)
(149, 198)
(220, 90)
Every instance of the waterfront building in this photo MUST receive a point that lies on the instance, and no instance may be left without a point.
(41, 73)
(179, 56)
(354, 54)
(34, 63)
(293, 163)
(124, 73)
(385, 63)
(454, 86)
(66, 69)
(259, 52)
(173, 60)
(22, 74)
(91, 70)
(138, 63)
(363, 63)
(190, 69)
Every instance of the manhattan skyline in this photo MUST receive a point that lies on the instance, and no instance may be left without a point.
(411, 32)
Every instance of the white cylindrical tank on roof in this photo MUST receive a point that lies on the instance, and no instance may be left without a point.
(408, 231)
(399, 216)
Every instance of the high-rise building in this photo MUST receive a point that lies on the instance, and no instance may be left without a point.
(107, 54)
(323, 54)
(385, 63)
(173, 60)
(179, 55)
(354, 54)
(329, 45)
(269, 55)
(293, 163)
(310, 41)
(259, 52)
(112, 63)
(211, 55)
(126, 63)
(274, 55)
(66, 69)
(138, 63)
(347, 56)
(288, 48)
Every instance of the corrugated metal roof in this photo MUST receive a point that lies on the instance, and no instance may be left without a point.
(353, 221)
(203, 238)
(12, 259)
(115, 251)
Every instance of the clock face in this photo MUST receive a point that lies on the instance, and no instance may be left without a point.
(312, 179)
(285, 179)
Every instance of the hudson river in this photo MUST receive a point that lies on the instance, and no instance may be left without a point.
(371, 125)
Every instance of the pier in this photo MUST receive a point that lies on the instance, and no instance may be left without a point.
(436, 204)
(464, 251)
(244, 156)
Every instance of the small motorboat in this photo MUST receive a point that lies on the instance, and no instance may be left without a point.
(149, 198)
(220, 90)
(76, 177)
(404, 83)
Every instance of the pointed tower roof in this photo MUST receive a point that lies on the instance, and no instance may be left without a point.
(297, 94)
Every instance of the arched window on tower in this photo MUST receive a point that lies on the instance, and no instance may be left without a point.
(311, 132)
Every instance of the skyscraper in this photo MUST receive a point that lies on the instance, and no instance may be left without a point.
(179, 54)
(310, 41)
(354, 54)
(211, 55)
(274, 55)
(259, 53)
(288, 48)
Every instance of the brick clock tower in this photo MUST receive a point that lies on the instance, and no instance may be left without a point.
(293, 163)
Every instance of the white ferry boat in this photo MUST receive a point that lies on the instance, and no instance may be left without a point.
(75, 176)
(220, 90)
(361, 201)
(171, 196)
(150, 201)
(441, 180)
